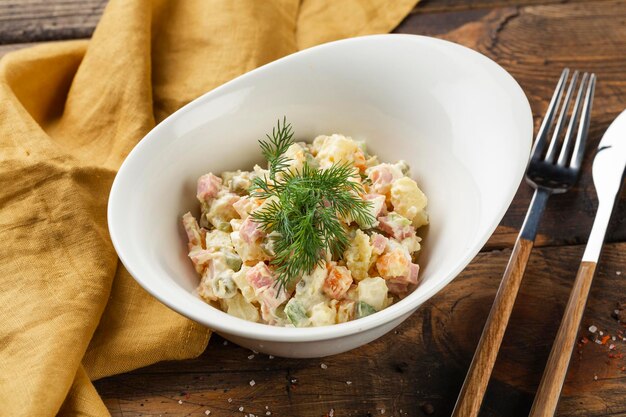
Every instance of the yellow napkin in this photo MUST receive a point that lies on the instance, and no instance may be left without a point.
(69, 114)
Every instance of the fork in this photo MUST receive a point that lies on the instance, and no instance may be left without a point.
(547, 174)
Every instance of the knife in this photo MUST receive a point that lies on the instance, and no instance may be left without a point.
(608, 171)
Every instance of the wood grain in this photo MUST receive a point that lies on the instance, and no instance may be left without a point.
(430, 6)
(422, 362)
(44, 20)
(549, 390)
(534, 44)
(479, 373)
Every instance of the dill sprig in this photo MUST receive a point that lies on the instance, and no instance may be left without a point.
(305, 207)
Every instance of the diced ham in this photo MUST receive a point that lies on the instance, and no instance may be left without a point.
(386, 224)
(200, 257)
(267, 293)
(194, 236)
(414, 275)
(400, 285)
(378, 204)
(379, 243)
(337, 282)
(397, 288)
(250, 231)
(271, 297)
(382, 176)
(208, 187)
(259, 276)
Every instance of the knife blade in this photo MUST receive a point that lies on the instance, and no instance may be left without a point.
(608, 172)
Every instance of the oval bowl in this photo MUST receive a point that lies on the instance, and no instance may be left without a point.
(461, 122)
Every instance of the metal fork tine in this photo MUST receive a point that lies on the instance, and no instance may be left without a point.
(562, 116)
(583, 127)
(567, 141)
(542, 134)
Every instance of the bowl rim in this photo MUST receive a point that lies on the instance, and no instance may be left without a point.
(228, 324)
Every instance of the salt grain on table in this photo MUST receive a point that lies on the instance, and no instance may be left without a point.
(240, 408)
(230, 400)
(251, 357)
(324, 366)
(271, 357)
(180, 401)
(348, 382)
(252, 383)
(207, 412)
(593, 329)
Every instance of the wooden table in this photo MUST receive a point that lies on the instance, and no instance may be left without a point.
(418, 369)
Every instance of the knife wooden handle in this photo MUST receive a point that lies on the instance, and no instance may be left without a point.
(473, 390)
(554, 375)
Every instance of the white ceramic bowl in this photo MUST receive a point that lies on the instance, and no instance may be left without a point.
(461, 122)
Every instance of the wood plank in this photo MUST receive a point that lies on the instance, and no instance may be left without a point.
(41, 20)
(429, 6)
(422, 362)
(534, 44)
(44, 20)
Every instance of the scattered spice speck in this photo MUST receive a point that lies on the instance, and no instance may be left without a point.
(252, 383)
(324, 366)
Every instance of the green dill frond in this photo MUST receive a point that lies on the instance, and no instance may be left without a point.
(276, 145)
(306, 208)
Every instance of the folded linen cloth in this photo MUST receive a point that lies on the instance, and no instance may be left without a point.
(70, 112)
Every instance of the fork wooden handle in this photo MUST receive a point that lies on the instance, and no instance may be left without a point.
(554, 375)
(473, 390)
